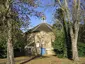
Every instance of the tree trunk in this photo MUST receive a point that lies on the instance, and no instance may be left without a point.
(10, 53)
(74, 37)
(74, 50)
(75, 28)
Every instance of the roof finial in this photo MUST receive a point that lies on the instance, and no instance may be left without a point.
(43, 19)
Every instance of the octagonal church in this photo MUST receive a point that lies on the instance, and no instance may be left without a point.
(39, 40)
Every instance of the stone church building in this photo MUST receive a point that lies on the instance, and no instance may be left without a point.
(39, 40)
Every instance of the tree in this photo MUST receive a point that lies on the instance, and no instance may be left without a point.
(59, 43)
(8, 16)
(63, 24)
(74, 29)
(73, 18)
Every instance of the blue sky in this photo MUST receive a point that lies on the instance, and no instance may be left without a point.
(48, 11)
(49, 16)
(45, 6)
(22, 10)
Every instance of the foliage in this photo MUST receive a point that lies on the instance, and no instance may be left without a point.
(82, 33)
(81, 49)
(18, 43)
(59, 43)
(25, 9)
(3, 48)
(81, 40)
(72, 15)
(9, 9)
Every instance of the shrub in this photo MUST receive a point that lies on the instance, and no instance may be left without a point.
(81, 49)
(59, 44)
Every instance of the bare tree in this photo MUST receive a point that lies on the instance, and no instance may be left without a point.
(74, 29)
(73, 24)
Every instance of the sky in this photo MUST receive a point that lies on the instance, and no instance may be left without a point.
(49, 16)
(33, 15)
(23, 10)
(48, 12)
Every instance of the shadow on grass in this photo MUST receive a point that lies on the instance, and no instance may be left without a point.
(30, 59)
(35, 57)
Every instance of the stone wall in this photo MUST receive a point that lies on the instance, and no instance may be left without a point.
(42, 39)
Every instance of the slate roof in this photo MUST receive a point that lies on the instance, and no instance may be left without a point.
(41, 27)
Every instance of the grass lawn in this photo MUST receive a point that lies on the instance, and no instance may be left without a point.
(44, 60)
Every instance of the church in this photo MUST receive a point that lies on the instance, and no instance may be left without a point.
(39, 40)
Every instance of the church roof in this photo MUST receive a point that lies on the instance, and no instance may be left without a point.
(42, 27)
